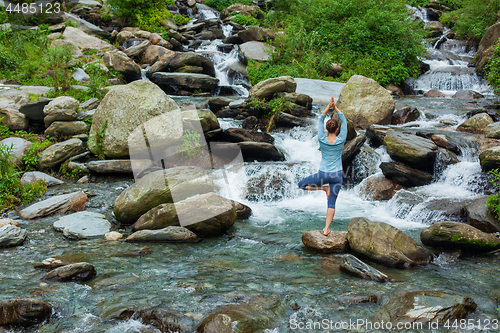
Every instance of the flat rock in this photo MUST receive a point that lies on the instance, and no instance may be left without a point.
(24, 312)
(404, 175)
(415, 151)
(354, 266)
(335, 242)
(81, 271)
(172, 234)
(59, 152)
(34, 110)
(319, 90)
(11, 235)
(86, 26)
(57, 204)
(110, 166)
(83, 225)
(37, 90)
(241, 135)
(186, 80)
(33, 176)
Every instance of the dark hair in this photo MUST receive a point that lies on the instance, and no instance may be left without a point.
(331, 126)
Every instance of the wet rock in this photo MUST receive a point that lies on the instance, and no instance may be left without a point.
(425, 307)
(82, 271)
(241, 135)
(434, 93)
(243, 212)
(256, 51)
(172, 234)
(442, 141)
(492, 131)
(354, 266)
(434, 28)
(357, 299)
(490, 158)
(217, 323)
(159, 187)
(267, 88)
(404, 175)
(207, 215)
(120, 62)
(186, 80)
(412, 150)
(267, 187)
(57, 204)
(404, 114)
(377, 187)
(480, 217)
(126, 110)
(137, 50)
(163, 320)
(385, 244)
(190, 59)
(11, 235)
(59, 152)
(335, 242)
(66, 128)
(297, 98)
(259, 151)
(486, 48)
(83, 225)
(113, 236)
(218, 103)
(451, 235)
(4, 222)
(365, 102)
(376, 134)
(446, 158)
(475, 124)
(19, 148)
(352, 148)
(49, 264)
(24, 312)
(288, 121)
(467, 94)
(60, 109)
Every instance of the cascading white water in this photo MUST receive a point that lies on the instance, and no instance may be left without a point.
(448, 61)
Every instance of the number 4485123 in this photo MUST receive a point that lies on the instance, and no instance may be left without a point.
(33, 8)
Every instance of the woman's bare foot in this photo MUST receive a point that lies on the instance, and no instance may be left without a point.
(326, 232)
(326, 188)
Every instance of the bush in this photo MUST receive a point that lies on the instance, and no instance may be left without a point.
(146, 14)
(221, 4)
(190, 146)
(493, 201)
(371, 38)
(245, 20)
(472, 17)
(493, 69)
(12, 191)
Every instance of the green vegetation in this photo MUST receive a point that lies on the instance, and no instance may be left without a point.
(493, 201)
(370, 38)
(181, 19)
(99, 137)
(245, 20)
(12, 191)
(471, 17)
(493, 69)
(221, 4)
(277, 105)
(146, 14)
(190, 147)
(67, 173)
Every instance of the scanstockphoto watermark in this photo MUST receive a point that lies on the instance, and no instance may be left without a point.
(355, 324)
(177, 138)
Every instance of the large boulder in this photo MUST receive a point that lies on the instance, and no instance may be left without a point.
(335, 242)
(385, 244)
(404, 114)
(83, 41)
(377, 187)
(81, 271)
(57, 204)
(86, 26)
(172, 234)
(475, 124)
(34, 110)
(267, 88)
(120, 62)
(490, 158)
(480, 217)
(459, 235)
(434, 93)
(492, 131)
(486, 47)
(19, 148)
(415, 151)
(238, 8)
(125, 109)
(206, 215)
(404, 175)
(352, 148)
(425, 307)
(83, 225)
(163, 186)
(60, 109)
(259, 151)
(186, 80)
(59, 152)
(24, 312)
(154, 53)
(365, 102)
(11, 235)
(256, 51)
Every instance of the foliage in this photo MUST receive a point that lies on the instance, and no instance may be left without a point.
(472, 17)
(417, 3)
(371, 38)
(221, 4)
(493, 201)
(99, 137)
(245, 20)
(146, 14)
(74, 173)
(257, 104)
(493, 69)
(58, 58)
(70, 23)
(190, 146)
(181, 19)
(12, 191)
(277, 105)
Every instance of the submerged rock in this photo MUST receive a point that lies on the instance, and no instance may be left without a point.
(385, 244)
(82, 271)
(354, 266)
(172, 234)
(57, 204)
(83, 225)
(49, 264)
(459, 235)
(335, 242)
(377, 187)
(11, 235)
(24, 312)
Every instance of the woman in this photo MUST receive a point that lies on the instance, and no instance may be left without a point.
(329, 176)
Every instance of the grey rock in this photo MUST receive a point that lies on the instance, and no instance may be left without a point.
(81, 271)
(354, 266)
(66, 128)
(480, 217)
(256, 51)
(90, 104)
(57, 204)
(11, 235)
(490, 158)
(59, 152)
(492, 131)
(186, 80)
(19, 148)
(120, 62)
(267, 88)
(172, 234)
(259, 151)
(37, 90)
(110, 166)
(335, 242)
(34, 110)
(412, 150)
(83, 225)
(404, 175)
(33, 176)
(86, 26)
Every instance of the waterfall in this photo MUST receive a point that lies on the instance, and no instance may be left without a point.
(448, 60)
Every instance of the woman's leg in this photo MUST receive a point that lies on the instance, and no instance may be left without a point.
(335, 183)
(330, 213)
(315, 183)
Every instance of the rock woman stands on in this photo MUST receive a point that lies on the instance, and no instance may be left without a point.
(329, 176)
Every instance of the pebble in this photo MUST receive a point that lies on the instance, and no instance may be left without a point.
(113, 236)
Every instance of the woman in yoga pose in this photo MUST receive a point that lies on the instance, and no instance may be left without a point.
(329, 176)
